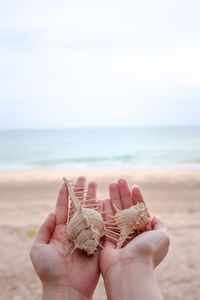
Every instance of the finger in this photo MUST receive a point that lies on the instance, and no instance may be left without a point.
(115, 196)
(158, 224)
(46, 230)
(100, 207)
(137, 196)
(91, 192)
(125, 194)
(107, 207)
(108, 210)
(62, 205)
(79, 187)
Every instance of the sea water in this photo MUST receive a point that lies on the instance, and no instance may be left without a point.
(107, 148)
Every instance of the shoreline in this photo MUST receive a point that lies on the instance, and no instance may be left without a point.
(149, 167)
(89, 171)
(186, 177)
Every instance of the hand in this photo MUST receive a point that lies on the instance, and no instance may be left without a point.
(75, 277)
(138, 257)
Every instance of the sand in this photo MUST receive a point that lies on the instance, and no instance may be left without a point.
(27, 197)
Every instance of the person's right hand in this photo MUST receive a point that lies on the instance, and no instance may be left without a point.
(139, 256)
(70, 277)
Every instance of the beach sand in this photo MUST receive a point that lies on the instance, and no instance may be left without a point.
(26, 198)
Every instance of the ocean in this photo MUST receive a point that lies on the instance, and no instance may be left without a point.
(106, 149)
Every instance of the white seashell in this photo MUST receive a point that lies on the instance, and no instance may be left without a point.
(95, 219)
(126, 222)
(87, 240)
(85, 226)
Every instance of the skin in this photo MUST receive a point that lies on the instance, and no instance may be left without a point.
(63, 278)
(128, 272)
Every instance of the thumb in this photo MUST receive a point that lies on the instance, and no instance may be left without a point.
(46, 229)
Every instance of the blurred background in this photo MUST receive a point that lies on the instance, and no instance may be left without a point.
(105, 89)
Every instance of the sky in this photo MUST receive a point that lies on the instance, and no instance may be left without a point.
(99, 63)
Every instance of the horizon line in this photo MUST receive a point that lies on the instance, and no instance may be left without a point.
(98, 127)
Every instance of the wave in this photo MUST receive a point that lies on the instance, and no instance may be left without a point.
(190, 161)
(53, 162)
(103, 159)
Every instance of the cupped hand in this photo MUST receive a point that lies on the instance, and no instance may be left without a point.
(77, 273)
(149, 247)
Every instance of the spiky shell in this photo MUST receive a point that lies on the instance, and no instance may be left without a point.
(87, 240)
(85, 226)
(95, 220)
(130, 220)
(85, 229)
(77, 224)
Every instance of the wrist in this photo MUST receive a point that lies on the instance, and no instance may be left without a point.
(131, 263)
(125, 269)
(55, 292)
(127, 281)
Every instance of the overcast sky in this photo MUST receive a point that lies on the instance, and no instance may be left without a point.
(99, 63)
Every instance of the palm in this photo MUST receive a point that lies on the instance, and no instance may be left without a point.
(79, 271)
(153, 242)
(110, 256)
(150, 242)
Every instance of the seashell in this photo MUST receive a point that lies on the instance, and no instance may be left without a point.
(127, 222)
(95, 219)
(85, 225)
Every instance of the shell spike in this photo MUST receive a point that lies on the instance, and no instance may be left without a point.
(73, 250)
(111, 237)
(74, 200)
(100, 245)
(116, 208)
(112, 227)
(110, 223)
(86, 200)
(67, 250)
(112, 232)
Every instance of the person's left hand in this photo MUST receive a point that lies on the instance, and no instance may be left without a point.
(77, 275)
(146, 250)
